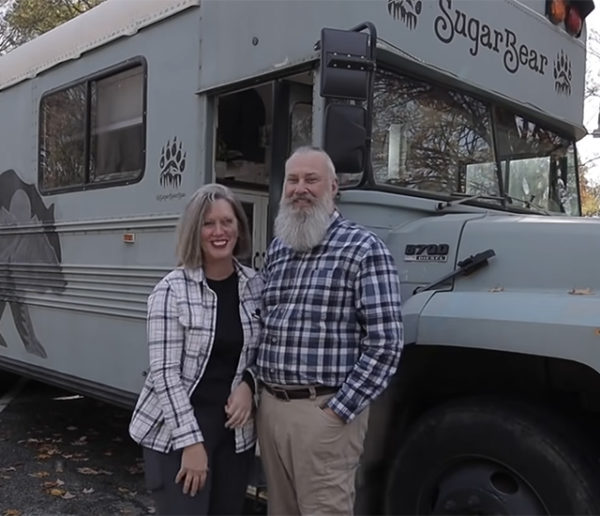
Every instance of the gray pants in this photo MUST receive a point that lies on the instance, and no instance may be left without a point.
(310, 458)
(227, 479)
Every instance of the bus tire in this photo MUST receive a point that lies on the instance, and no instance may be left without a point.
(492, 457)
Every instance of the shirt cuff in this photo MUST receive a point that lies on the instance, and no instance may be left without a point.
(186, 436)
(249, 379)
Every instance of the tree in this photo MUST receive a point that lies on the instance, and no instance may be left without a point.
(590, 195)
(22, 20)
(589, 156)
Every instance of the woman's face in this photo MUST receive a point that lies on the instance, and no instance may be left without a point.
(219, 232)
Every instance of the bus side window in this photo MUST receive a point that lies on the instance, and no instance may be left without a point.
(106, 147)
(117, 127)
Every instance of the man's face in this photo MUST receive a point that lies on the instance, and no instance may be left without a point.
(308, 180)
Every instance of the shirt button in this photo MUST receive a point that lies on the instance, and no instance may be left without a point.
(274, 340)
(271, 370)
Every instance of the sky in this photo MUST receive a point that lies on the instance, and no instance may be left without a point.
(589, 147)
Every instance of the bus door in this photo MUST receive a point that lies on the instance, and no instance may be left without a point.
(256, 130)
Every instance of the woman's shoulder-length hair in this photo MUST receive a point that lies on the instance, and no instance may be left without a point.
(189, 231)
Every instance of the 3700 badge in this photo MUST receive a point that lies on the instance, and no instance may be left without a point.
(426, 252)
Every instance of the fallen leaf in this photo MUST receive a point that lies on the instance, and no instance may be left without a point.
(7, 469)
(82, 441)
(56, 491)
(12, 512)
(42, 456)
(151, 510)
(88, 490)
(135, 470)
(67, 496)
(50, 484)
(39, 474)
(71, 428)
(108, 453)
(88, 471)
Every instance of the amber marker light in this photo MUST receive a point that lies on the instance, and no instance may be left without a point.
(556, 10)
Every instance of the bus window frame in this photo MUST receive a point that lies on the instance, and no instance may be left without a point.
(89, 183)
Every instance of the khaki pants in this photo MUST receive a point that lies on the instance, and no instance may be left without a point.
(309, 457)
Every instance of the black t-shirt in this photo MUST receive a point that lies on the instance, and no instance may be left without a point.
(215, 384)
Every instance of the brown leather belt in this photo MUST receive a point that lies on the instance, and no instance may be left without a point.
(299, 393)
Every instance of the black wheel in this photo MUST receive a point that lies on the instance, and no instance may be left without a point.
(490, 457)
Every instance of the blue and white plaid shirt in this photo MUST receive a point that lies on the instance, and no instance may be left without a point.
(181, 330)
(332, 316)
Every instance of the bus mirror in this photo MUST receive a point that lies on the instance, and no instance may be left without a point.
(345, 64)
(345, 138)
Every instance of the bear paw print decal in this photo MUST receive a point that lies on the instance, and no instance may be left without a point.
(562, 73)
(407, 11)
(172, 163)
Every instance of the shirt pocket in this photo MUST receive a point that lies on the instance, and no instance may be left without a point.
(327, 295)
(328, 278)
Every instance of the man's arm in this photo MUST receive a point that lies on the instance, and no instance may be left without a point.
(377, 293)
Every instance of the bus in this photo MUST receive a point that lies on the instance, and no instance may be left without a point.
(452, 125)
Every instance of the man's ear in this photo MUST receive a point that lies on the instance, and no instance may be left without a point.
(334, 187)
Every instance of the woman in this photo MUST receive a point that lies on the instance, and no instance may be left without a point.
(194, 414)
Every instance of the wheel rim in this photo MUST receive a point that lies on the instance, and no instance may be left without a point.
(480, 486)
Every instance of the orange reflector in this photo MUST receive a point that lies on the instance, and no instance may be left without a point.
(129, 238)
(557, 10)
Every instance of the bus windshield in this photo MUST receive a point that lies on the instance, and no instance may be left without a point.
(440, 141)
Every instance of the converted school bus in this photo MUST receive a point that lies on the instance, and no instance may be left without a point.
(460, 155)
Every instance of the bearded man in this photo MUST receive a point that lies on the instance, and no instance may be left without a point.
(332, 337)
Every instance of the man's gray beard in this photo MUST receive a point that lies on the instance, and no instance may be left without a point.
(303, 229)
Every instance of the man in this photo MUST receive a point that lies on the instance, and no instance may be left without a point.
(331, 340)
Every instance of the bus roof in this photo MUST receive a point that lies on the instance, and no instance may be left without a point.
(108, 21)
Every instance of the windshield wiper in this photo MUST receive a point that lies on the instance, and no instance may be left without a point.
(447, 204)
(506, 199)
(531, 205)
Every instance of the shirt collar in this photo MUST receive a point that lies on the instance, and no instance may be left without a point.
(244, 273)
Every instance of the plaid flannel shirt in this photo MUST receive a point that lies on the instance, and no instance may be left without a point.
(331, 316)
(181, 329)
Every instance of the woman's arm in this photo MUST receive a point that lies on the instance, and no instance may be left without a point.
(166, 340)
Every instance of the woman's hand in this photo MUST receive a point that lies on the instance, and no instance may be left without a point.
(194, 469)
(239, 406)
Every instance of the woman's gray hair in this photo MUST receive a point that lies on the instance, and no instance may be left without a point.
(189, 230)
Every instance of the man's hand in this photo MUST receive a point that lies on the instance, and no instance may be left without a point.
(331, 413)
(194, 469)
(239, 406)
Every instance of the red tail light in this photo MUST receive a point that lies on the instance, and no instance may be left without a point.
(574, 21)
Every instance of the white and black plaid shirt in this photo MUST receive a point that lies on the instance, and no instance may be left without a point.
(181, 330)
(332, 316)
